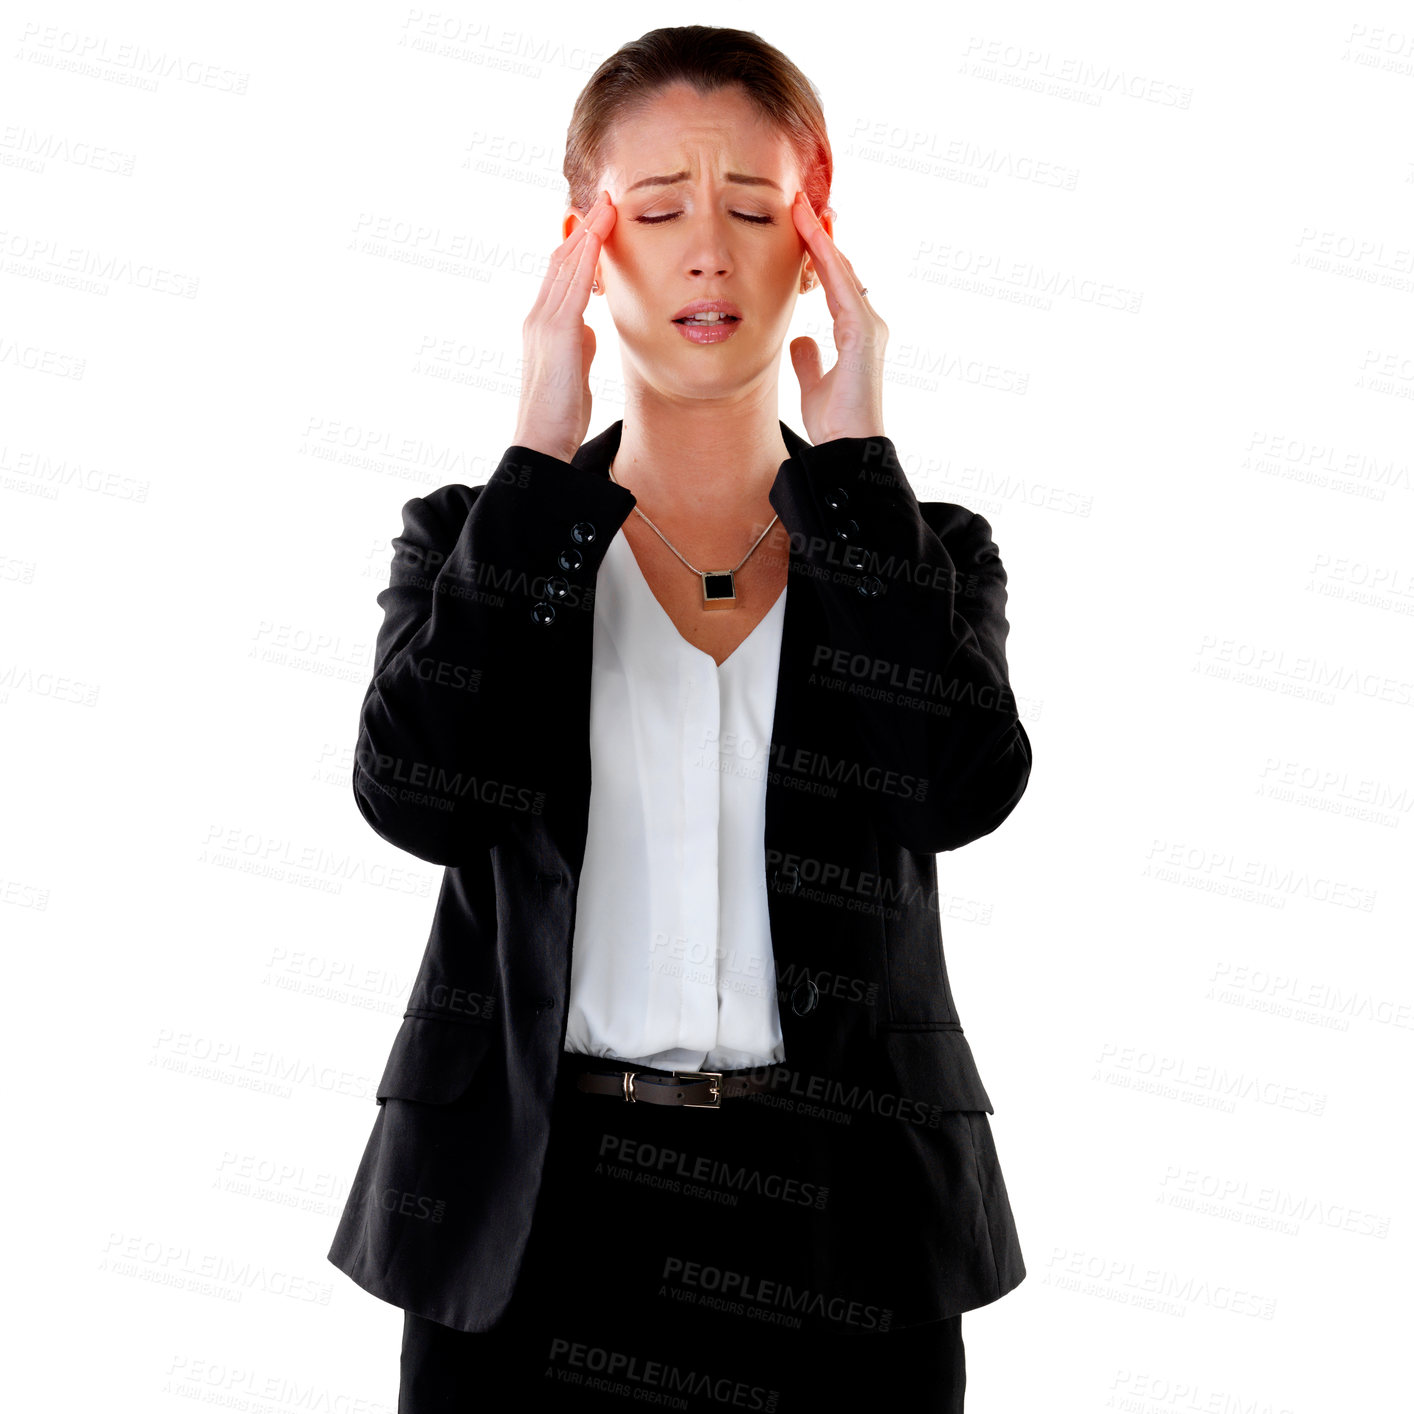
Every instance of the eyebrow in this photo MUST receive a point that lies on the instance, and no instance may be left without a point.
(673, 178)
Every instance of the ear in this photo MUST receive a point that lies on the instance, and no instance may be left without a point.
(573, 217)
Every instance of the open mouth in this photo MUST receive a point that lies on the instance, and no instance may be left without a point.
(707, 321)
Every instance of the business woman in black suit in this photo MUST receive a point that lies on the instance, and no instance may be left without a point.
(562, 1220)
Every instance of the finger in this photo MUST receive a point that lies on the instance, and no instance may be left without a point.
(837, 275)
(861, 295)
(849, 266)
(805, 359)
(565, 250)
(577, 276)
(587, 348)
(564, 262)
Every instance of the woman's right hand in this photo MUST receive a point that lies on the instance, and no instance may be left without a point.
(555, 400)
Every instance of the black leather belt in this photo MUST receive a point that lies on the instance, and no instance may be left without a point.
(692, 1089)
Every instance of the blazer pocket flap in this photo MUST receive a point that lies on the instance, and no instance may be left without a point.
(933, 1066)
(433, 1060)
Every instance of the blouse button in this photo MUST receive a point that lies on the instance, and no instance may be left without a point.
(543, 613)
(570, 558)
(870, 585)
(803, 1000)
(557, 587)
(847, 530)
(837, 499)
(582, 532)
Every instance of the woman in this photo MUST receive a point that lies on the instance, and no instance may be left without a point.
(673, 1117)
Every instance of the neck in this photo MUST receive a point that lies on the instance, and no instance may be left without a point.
(702, 468)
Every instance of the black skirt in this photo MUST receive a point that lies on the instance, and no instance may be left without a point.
(671, 1265)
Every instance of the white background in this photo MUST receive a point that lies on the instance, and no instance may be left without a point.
(1149, 277)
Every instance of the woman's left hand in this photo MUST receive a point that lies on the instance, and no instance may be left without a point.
(848, 401)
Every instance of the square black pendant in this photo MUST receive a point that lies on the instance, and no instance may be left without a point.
(718, 589)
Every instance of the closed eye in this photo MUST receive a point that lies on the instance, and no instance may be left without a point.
(741, 215)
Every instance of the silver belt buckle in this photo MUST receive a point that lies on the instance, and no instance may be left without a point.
(715, 1076)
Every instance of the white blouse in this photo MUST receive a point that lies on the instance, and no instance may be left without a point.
(671, 962)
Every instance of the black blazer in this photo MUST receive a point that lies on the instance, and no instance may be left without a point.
(896, 736)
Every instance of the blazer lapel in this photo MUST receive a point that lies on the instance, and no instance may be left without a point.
(803, 816)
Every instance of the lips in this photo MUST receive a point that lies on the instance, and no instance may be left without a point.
(723, 307)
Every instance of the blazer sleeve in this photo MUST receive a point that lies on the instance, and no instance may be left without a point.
(489, 605)
(915, 598)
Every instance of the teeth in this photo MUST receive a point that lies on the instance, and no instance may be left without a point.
(712, 318)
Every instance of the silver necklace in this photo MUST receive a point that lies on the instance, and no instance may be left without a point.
(718, 586)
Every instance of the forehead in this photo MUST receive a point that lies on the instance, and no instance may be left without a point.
(679, 130)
